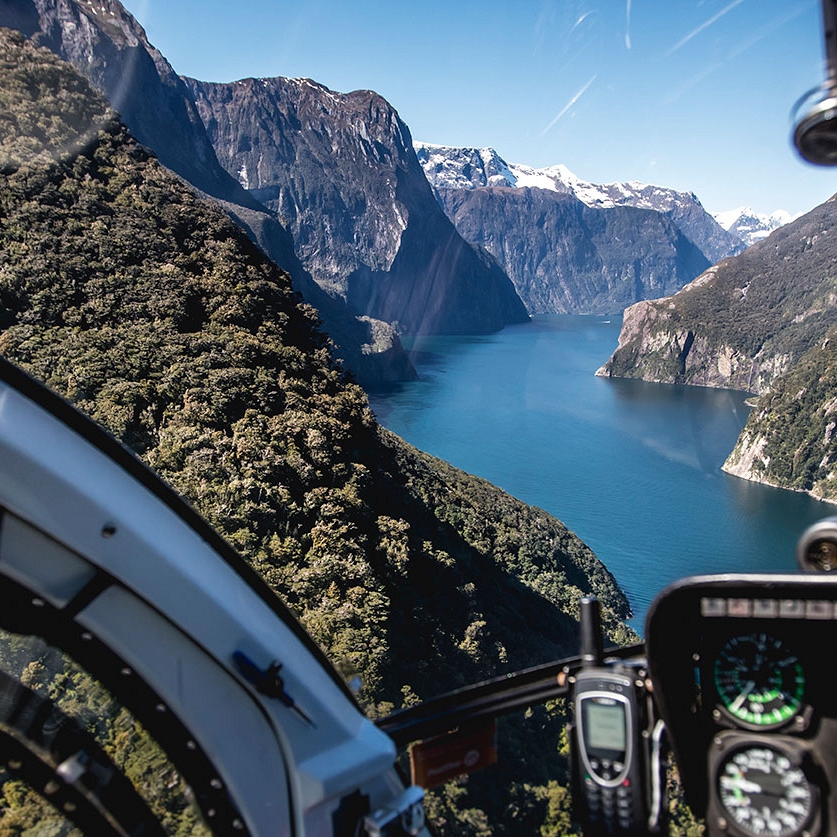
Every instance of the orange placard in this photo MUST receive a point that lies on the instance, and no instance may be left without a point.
(444, 757)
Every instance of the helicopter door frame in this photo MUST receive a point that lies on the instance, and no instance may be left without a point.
(95, 541)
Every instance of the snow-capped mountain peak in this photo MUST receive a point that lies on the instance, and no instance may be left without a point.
(751, 226)
(450, 167)
(447, 167)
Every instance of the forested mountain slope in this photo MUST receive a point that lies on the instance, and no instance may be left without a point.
(743, 321)
(789, 439)
(141, 302)
(763, 322)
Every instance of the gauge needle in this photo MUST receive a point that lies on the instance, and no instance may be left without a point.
(739, 783)
(742, 696)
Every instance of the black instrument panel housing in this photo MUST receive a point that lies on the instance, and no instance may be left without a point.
(687, 627)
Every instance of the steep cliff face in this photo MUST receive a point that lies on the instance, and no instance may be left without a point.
(631, 241)
(687, 212)
(764, 322)
(340, 171)
(789, 439)
(567, 257)
(370, 349)
(744, 321)
(111, 50)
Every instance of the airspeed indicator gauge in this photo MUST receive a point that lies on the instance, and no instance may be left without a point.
(764, 792)
(759, 682)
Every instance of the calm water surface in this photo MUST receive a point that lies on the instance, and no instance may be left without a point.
(633, 468)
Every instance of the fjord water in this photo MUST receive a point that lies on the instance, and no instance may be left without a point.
(633, 468)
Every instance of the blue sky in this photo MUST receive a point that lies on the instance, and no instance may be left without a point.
(691, 94)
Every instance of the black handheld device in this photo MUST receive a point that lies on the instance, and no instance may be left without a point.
(617, 772)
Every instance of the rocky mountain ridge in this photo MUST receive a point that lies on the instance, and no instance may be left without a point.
(449, 167)
(357, 231)
(576, 259)
(108, 45)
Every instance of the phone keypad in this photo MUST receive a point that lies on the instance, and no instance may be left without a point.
(611, 807)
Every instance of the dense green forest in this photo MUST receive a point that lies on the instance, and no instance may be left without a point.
(148, 308)
(775, 299)
(59, 690)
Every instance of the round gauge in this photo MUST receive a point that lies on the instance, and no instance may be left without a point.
(759, 681)
(763, 792)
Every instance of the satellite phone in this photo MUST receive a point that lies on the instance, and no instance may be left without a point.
(618, 780)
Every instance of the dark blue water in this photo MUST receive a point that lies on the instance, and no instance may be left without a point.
(633, 468)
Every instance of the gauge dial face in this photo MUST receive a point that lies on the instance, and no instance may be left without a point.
(763, 792)
(759, 681)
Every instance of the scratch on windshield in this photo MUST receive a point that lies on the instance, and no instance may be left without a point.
(705, 25)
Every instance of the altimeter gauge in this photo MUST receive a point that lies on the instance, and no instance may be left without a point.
(764, 792)
(759, 682)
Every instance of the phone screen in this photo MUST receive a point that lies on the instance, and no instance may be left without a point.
(604, 725)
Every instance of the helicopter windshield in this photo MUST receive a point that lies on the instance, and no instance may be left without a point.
(444, 319)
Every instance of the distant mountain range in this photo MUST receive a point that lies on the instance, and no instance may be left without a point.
(752, 226)
(450, 168)
(573, 246)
